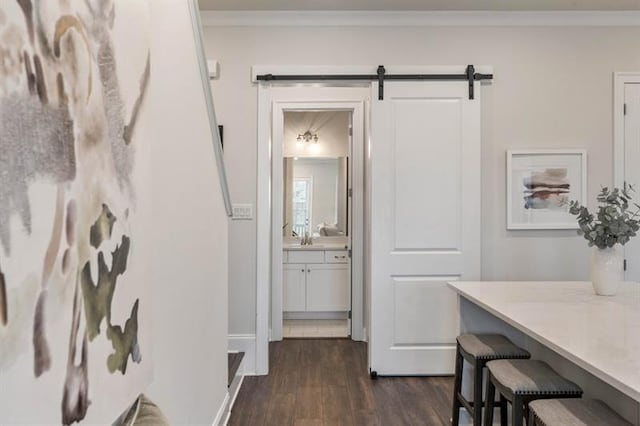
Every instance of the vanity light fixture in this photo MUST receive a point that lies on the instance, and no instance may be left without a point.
(307, 137)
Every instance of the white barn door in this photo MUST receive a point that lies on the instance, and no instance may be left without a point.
(425, 221)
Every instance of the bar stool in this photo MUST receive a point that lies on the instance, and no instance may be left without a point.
(522, 381)
(573, 412)
(477, 350)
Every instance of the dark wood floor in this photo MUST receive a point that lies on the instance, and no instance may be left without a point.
(326, 382)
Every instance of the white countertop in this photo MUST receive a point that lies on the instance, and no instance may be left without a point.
(598, 333)
(314, 247)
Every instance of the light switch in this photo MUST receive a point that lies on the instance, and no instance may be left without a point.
(242, 212)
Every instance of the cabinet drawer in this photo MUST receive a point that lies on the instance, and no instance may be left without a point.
(303, 256)
(336, 256)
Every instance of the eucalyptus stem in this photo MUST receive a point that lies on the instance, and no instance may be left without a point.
(613, 222)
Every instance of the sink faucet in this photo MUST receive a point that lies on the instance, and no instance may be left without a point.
(306, 240)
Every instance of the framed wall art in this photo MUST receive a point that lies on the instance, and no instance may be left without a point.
(540, 184)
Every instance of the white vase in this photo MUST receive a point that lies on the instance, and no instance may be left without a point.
(607, 269)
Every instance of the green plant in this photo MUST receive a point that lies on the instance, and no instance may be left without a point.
(614, 223)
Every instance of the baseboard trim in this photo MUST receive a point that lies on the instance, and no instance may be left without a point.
(223, 412)
(244, 343)
(315, 315)
(234, 390)
(365, 334)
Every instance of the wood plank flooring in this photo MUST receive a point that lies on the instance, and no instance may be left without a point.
(326, 382)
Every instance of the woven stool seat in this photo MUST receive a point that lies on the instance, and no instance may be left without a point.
(573, 412)
(530, 377)
(521, 381)
(490, 346)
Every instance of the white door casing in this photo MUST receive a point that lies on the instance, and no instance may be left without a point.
(425, 222)
(270, 98)
(321, 100)
(632, 169)
(626, 136)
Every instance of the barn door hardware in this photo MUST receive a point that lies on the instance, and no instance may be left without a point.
(470, 75)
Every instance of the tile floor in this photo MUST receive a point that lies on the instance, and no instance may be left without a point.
(315, 328)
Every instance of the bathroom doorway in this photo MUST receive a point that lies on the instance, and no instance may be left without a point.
(317, 219)
(316, 237)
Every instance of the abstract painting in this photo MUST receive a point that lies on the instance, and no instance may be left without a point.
(74, 293)
(540, 185)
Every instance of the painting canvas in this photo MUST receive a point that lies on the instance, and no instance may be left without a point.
(540, 185)
(74, 293)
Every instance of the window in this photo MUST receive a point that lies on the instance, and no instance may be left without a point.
(302, 188)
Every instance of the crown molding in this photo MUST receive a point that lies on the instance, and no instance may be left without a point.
(421, 18)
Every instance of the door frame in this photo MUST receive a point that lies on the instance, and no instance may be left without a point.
(310, 102)
(274, 99)
(619, 81)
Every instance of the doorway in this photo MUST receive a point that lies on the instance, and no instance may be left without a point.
(627, 152)
(316, 238)
(316, 222)
(398, 285)
(274, 101)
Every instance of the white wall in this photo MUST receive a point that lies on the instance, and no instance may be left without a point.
(189, 264)
(552, 88)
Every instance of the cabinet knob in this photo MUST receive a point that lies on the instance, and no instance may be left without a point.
(308, 270)
(340, 257)
(302, 270)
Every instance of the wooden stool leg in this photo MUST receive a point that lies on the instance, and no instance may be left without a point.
(516, 411)
(504, 420)
(477, 393)
(532, 420)
(489, 396)
(457, 387)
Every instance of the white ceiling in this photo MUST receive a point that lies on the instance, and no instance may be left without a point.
(331, 125)
(424, 5)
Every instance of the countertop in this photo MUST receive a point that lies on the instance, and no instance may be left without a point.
(314, 247)
(600, 334)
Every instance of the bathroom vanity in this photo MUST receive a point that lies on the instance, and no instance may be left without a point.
(316, 280)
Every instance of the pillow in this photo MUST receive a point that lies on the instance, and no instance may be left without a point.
(330, 230)
(143, 412)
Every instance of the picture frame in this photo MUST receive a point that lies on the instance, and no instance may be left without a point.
(540, 184)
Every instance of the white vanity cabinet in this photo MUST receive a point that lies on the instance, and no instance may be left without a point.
(327, 287)
(294, 291)
(316, 281)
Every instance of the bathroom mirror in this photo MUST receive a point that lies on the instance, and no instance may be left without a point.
(315, 196)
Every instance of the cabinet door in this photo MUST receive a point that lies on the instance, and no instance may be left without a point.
(293, 287)
(328, 288)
